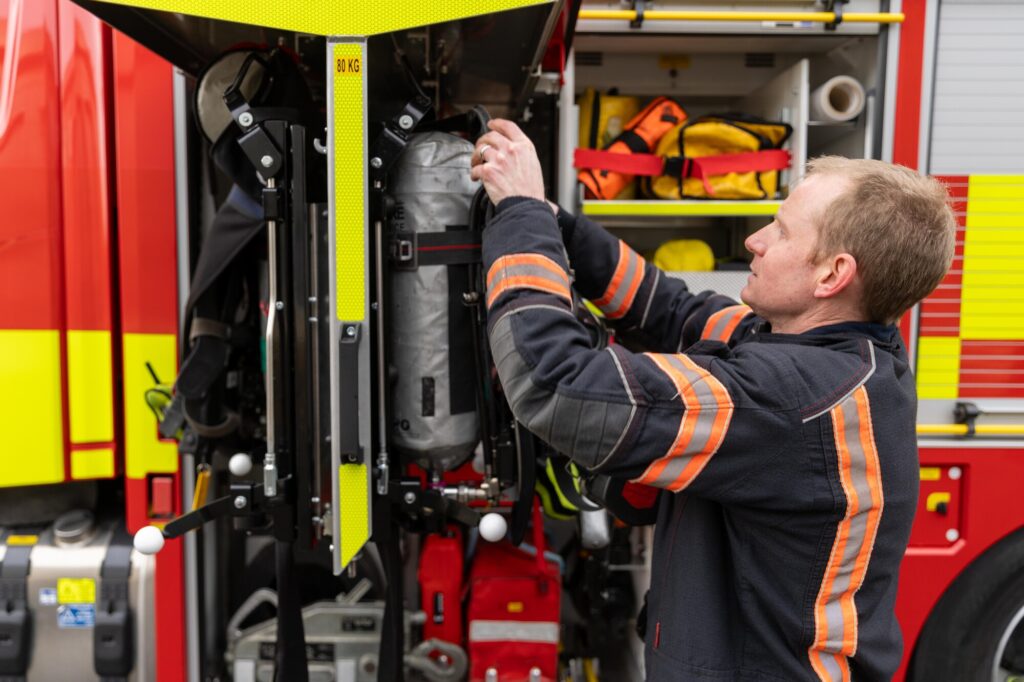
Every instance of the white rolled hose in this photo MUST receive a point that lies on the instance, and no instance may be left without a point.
(837, 100)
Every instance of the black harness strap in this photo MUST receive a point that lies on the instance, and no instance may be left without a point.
(454, 247)
(113, 652)
(15, 619)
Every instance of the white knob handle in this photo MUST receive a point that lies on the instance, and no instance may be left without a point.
(493, 527)
(240, 464)
(149, 540)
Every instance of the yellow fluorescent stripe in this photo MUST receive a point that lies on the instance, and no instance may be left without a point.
(353, 510)
(350, 181)
(996, 221)
(332, 18)
(680, 208)
(90, 387)
(961, 429)
(973, 332)
(982, 181)
(31, 407)
(938, 366)
(697, 15)
(97, 463)
(1000, 309)
(1001, 249)
(144, 452)
(990, 285)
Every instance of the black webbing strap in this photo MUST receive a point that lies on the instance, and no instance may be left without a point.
(454, 247)
(636, 144)
(15, 619)
(113, 653)
(290, 663)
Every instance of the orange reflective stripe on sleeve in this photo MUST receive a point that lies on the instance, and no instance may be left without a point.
(618, 297)
(835, 611)
(722, 324)
(526, 271)
(707, 411)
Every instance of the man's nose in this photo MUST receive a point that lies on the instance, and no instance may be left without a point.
(754, 243)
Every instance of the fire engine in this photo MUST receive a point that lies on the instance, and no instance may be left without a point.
(231, 342)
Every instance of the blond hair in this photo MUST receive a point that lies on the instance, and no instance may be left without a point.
(896, 223)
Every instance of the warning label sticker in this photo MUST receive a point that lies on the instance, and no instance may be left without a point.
(76, 591)
(76, 616)
(47, 596)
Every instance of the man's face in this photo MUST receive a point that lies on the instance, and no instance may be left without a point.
(783, 280)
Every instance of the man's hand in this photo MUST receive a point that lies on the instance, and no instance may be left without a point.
(507, 164)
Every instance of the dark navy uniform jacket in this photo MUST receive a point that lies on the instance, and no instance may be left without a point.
(789, 461)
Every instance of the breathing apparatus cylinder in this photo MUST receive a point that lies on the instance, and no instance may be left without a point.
(434, 412)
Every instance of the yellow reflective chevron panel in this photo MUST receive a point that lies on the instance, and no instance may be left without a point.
(90, 387)
(353, 509)
(144, 452)
(992, 305)
(349, 66)
(938, 367)
(31, 407)
(333, 18)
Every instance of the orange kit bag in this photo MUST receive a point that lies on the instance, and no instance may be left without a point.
(640, 137)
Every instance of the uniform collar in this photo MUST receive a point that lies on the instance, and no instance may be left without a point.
(884, 336)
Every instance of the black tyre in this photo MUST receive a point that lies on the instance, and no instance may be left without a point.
(976, 632)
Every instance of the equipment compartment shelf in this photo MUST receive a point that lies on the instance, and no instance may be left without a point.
(697, 207)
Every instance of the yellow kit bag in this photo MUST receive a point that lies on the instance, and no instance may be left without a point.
(603, 117)
(721, 157)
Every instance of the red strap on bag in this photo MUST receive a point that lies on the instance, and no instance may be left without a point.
(633, 164)
(700, 167)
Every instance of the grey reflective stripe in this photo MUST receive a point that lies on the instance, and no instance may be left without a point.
(618, 298)
(650, 297)
(513, 631)
(526, 271)
(832, 666)
(871, 353)
(632, 412)
(722, 319)
(861, 483)
(701, 408)
(585, 430)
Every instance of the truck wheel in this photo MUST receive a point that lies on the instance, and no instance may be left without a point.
(976, 632)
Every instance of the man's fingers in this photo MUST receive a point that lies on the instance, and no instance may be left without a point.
(495, 141)
(508, 129)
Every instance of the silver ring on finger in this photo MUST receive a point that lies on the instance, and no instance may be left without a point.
(483, 149)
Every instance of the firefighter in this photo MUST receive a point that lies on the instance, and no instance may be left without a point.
(781, 432)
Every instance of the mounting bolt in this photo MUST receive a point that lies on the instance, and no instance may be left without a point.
(952, 535)
(405, 121)
(376, 162)
(410, 497)
(350, 331)
(279, 305)
(267, 161)
(245, 119)
(241, 502)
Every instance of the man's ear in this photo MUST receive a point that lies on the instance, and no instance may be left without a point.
(836, 274)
